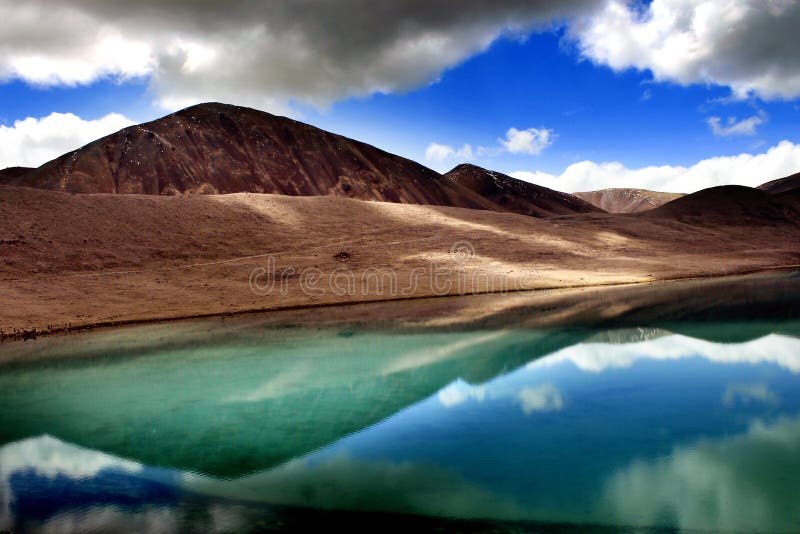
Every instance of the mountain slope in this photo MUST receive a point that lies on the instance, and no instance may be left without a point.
(219, 148)
(626, 200)
(11, 175)
(516, 195)
(733, 204)
(782, 185)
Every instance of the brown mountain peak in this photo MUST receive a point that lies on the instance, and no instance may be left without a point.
(626, 199)
(221, 148)
(517, 195)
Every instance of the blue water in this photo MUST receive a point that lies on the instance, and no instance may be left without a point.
(497, 429)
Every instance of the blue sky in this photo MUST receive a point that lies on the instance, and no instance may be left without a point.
(592, 100)
(597, 114)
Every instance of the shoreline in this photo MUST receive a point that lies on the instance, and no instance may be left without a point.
(142, 260)
(32, 334)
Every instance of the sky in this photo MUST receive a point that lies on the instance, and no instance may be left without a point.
(670, 95)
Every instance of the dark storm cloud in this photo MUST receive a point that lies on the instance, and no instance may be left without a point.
(269, 54)
(263, 53)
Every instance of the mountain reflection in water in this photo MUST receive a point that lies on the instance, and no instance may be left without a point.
(636, 427)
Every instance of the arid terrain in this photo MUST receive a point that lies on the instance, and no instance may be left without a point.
(517, 196)
(115, 231)
(217, 148)
(622, 200)
(782, 185)
(89, 259)
(12, 173)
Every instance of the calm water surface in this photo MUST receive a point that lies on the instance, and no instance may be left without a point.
(688, 427)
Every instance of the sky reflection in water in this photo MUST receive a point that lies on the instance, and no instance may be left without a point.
(635, 427)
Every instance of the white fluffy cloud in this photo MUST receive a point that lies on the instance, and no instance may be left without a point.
(459, 392)
(747, 45)
(733, 127)
(438, 153)
(745, 169)
(543, 398)
(777, 349)
(739, 483)
(531, 141)
(250, 52)
(48, 457)
(743, 127)
(31, 142)
(65, 44)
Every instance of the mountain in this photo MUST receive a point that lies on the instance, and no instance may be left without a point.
(10, 175)
(516, 195)
(219, 148)
(627, 200)
(733, 204)
(782, 185)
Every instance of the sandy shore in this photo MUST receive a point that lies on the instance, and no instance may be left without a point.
(744, 306)
(82, 260)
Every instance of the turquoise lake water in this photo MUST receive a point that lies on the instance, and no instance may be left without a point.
(689, 427)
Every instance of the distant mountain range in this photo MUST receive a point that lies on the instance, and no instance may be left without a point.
(217, 148)
(627, 200)
(146, 233)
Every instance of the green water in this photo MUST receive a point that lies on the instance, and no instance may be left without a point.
(252, 403)
(693, 426)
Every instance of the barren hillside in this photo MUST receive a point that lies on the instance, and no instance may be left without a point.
(516, 195)
(89, 259)
(627, 200)
(219, 148)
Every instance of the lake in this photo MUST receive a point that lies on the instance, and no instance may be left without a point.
(246, 426)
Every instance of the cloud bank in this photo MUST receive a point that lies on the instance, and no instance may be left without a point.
(747, 45)
(530, 141)
(751, 170)
(32, 142)
(264, 54)
(777, 349)
(271, 55)
(740, 483)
